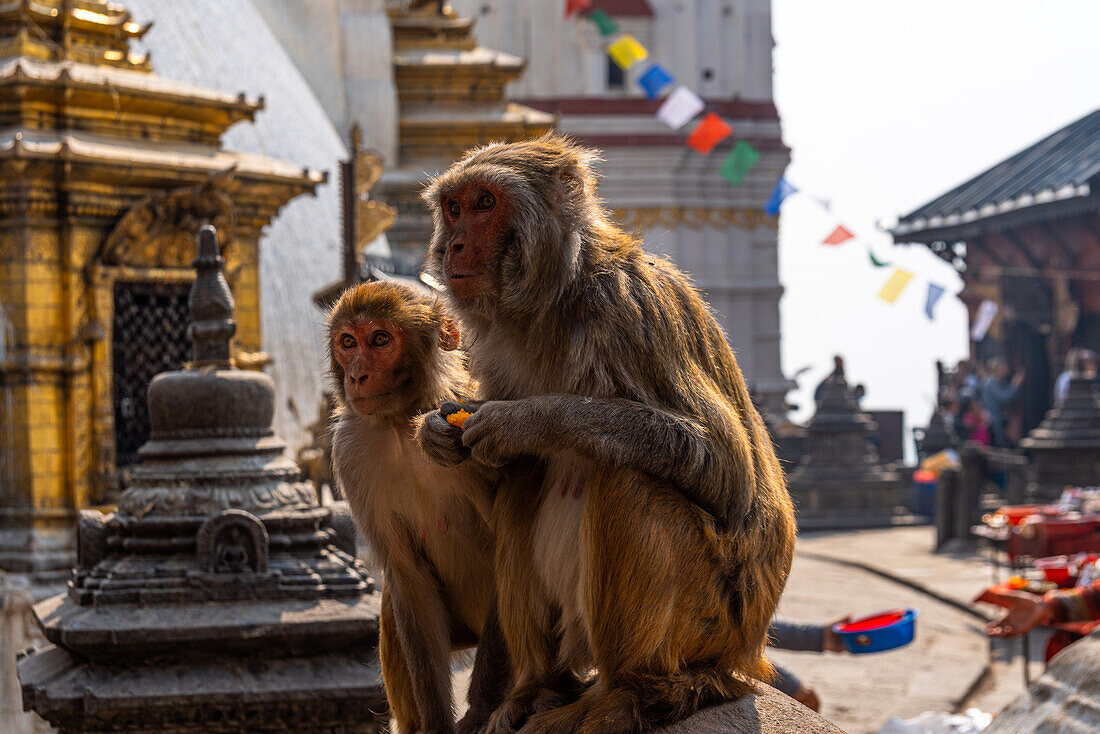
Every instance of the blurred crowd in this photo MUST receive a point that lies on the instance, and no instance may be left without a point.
(977, 400)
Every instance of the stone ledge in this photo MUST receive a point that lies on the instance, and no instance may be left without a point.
(765, 712)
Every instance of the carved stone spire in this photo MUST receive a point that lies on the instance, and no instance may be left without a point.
(211, 303)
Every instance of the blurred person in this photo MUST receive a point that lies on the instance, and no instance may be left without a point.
(1078, 361)
(1027, 611)
(858, 394)
(836, 374)
(787, 634)
(975, 424)
(996, 394)
(967, 382)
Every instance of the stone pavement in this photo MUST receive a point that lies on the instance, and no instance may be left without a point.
(949, 667)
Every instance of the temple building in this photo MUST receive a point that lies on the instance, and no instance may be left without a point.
(1025, 235)
(654, 184)
(108, 171)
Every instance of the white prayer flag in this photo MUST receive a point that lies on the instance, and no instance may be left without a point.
(680, 107)
(987, 311)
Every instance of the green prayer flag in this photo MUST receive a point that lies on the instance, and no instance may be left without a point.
(875, 261)
(739, 162)
(603, 21)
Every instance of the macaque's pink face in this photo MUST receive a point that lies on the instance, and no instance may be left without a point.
(369, 351)
(478, 224)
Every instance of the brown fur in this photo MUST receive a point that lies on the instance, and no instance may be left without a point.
(421, 520)
(612, 382)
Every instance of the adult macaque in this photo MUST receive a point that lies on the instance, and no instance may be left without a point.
(392, 354)
(642, 524)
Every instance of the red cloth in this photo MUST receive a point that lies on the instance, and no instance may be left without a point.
(708, 133)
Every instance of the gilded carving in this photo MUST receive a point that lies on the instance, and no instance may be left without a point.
(160, 230)
(642, 218)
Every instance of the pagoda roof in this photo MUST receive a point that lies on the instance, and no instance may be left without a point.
(479, 57)
(22, 70)
(1062, 168)
(167, 156)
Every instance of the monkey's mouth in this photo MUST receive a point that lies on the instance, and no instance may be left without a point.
(370, 403)
(460, 276)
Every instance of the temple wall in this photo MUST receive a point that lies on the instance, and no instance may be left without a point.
(344, 50)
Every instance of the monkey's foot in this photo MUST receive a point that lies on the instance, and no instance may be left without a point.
(566, 719)
(474, 722)
(510, 715)
(533, 699)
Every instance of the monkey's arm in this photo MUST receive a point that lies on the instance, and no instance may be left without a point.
(615, 432)
(424, 631)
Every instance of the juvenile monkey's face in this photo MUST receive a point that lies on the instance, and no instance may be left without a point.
(478, 226)
(369, 351)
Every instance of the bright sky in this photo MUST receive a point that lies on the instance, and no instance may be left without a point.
(887, 104)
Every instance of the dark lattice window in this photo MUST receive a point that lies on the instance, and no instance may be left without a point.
(149, 337)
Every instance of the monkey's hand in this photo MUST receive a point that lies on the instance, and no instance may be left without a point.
(441, 441)
(501, 430)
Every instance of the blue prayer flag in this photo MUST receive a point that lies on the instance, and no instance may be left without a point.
(934, 293)
(781, 191)
(654, 80)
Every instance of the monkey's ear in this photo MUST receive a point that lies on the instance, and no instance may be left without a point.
(449, 336)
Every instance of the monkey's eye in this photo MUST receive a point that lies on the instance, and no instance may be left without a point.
(347, 341)
(380, 339)
(454, 209)
(485, 202)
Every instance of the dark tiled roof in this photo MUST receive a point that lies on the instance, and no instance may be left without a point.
(1057, 168)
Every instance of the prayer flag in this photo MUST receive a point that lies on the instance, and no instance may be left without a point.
(895, 285)
(708, 133)
(603, 21)
(781, 191)
(987, 311)
(839, 235)
(739, 162)
(627, 51)
(572, 7)
(934, 293)
(680, 107)
(874, 260)
(654, 80)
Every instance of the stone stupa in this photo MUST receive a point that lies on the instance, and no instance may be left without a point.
(1065, 447)
(215, 599)
(841, 482)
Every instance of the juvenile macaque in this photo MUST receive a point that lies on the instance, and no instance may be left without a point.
(393, 357)
(642, 522)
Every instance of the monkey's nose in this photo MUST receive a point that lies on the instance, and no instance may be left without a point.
(361, 379)
(457, 247)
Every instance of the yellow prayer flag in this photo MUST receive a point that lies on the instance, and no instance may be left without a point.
(627, 51)
(895, 285)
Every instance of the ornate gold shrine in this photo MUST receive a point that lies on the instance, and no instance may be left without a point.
(106, 173)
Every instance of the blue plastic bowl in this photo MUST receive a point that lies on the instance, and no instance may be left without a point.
(879, 631)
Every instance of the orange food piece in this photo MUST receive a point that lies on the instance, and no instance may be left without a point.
(458, 418)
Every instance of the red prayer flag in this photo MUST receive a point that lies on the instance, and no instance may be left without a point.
(572, 7)
(839, 235)
(708, 133)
